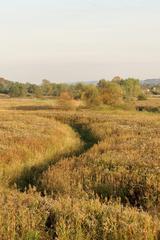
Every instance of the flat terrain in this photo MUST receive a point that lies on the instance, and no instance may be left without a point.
(84, 174)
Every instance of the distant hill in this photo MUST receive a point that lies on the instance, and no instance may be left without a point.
(151, 82)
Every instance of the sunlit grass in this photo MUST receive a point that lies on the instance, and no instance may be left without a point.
(27, 141)
(93, 193)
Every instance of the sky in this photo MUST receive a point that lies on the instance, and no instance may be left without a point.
(79, 40)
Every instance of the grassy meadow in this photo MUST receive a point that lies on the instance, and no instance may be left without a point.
(78, 174)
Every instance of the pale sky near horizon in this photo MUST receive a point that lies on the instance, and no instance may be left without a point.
(79, 40)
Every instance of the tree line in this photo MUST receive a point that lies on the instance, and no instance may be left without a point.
(106, 92)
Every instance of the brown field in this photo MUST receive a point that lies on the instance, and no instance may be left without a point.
(151, 105)
(78, 174)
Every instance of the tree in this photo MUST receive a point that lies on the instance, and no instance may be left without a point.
(78, 90)
(59, 88)
(4, 85)
(131, 88)
(37, 92)
(102, 84)
(47, 88)
(117, 79)
(111, 94)
(91, 95)
(17, 90)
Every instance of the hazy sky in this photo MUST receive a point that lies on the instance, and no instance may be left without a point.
(77, 40)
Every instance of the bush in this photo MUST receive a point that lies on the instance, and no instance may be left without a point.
(111, 94)
(66, 102)
(142, 97)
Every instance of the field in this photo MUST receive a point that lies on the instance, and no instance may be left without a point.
(78, 174)
(150, 105)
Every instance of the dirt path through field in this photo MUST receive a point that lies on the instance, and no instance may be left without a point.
(30, 177)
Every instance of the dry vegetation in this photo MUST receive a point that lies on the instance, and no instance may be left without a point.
(27, 141)
(105, 189)
(150, 105)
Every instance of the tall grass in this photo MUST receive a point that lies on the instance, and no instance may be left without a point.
(107, 188)
(29, 141)
(125, 162)
(28, 216)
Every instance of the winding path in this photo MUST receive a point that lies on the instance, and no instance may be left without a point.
(31, 176)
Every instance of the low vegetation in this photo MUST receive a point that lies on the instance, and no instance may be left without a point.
(82, 173)
(28, 141)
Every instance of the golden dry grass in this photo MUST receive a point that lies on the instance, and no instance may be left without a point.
(96, 195)
(151, 105)
(27, 141)
(155, 102)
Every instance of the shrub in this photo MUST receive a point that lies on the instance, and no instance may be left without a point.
(142, 97)
(66, 102)
(112, 94)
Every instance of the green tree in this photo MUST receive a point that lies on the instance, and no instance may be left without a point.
(17, 90)
(78, 90)
(47, 87)
(91, 95)
(57, 89)
(4, 85)
(117, 79)
(102, 84)
(132, 88)
(37, 91)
